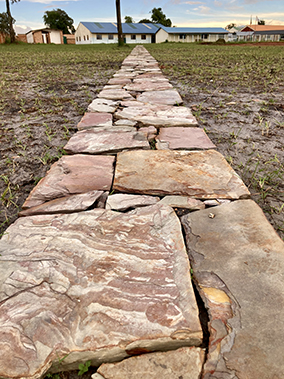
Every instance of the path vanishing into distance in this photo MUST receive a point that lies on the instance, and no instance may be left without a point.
(141, 243)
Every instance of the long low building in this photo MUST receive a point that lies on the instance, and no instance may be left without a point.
(205, 34)
(106, 32)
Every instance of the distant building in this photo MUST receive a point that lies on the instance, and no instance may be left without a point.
(106, 32)
(259, 33)
(45, 36)
(190, 34)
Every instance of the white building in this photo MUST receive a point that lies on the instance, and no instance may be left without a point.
(106, 32)
(45, 36)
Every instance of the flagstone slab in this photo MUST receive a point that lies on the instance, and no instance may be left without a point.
(149, 131)
(198, 174)
(92, 120)
(125, 123)
(156, 115)
(238, 265)
(153, 79)
(103, 105)
(73, 175)
(184, 363)
(67, 204)
(183, 202)
(111, 142)
(96, 285)
(148, 86)
(123, 201)
(121, 81)
(168, 97)
(183, 138)
(115, 94)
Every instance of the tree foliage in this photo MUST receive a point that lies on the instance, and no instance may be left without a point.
(231, 26)
(59, 19)
(158, 17)
(128, 20)
(5, 23)
(145, 21)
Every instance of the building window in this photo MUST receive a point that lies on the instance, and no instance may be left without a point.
(79, 38)
(221, 36)
(84, 38)
(110, 36)
(133, 36)
(99, 36)
(204, 36)
(88, 37)
(182, 36)
(143, 36)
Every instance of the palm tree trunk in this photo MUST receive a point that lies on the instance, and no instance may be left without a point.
(119, 26)
(12, 31)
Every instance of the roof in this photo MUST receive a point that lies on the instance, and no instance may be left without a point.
(43, 30)
(186, 30)
(263, 28)
(127, 28)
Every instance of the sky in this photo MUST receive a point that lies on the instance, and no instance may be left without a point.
(195, 13)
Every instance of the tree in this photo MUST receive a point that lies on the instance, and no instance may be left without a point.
(4, 23)
(158, 17)
(119, 26)
(145, 21)
(128, 20)
(231, 26)
(59, 19)
(261, 22)
(11, 20)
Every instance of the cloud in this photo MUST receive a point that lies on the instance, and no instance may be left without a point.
(193, 2)
(202, 9)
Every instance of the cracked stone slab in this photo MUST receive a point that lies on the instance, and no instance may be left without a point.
(185, 363)
(238, 265)
(183, 138)
(115, 94)
(125, 123)
(73, 175)
(123, 201)
(198, 174)
(67, 204)
(105, 142)
(183, 202)
(156, 115)
(148, 86)
(92, 120)
(168, 97)
(103, 105)
(122, 81)
(96, 285)
(149, 131)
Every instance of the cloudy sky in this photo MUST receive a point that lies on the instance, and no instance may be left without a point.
(219, 13)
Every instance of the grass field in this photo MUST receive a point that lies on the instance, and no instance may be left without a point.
(235, 91)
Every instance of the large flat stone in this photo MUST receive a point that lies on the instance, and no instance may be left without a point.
(168, 97)
(92, 120)
(148, 86)
(115, 94)
(238, 265)
(182, 202)
(198, 174)
(103, 105)
(96, 285)
(121, 81)
(73, 175)
(156, 115)
(67, 204)
(183, 138)
(123, 201)
(105, 142)
(185, 363)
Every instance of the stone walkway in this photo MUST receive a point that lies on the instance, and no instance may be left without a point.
(97, 268)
